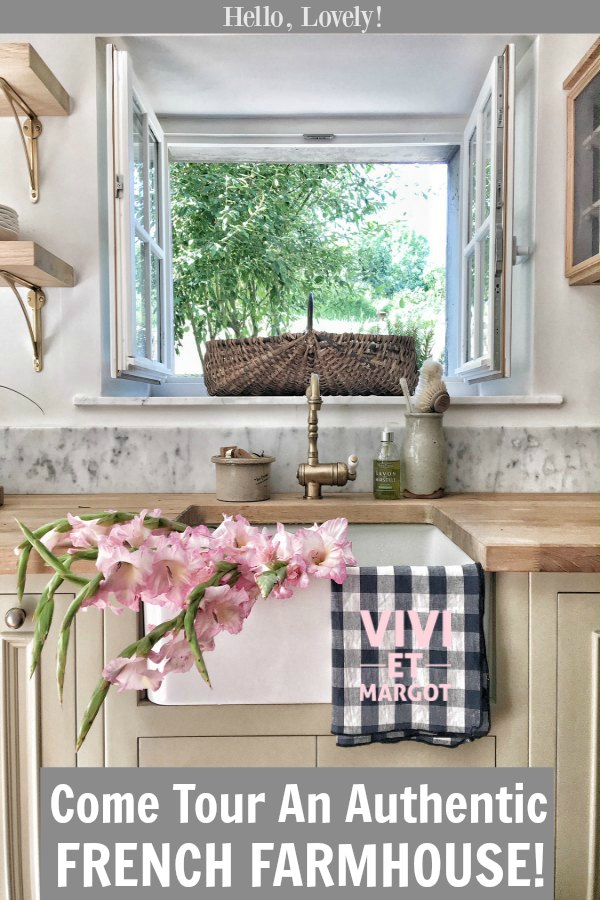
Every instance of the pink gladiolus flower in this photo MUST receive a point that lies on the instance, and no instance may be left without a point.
(85, 535)
(288, 548)
(124, 573)
(238, 541)
(132, 674)
(230, 606)
(55, 541)
(172, 574)
(134, 532)
(156, 566)
(176, 654)
(207, 628)
(327, 550)
(197, 539)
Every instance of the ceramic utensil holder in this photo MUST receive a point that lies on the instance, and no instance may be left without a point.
(425, 455)
(243, 479)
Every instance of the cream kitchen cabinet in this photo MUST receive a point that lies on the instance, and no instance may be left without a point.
(36, 730)
(565, 720)
(544, 649)
(140, 733)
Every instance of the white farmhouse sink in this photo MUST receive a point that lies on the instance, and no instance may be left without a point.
(283, 654)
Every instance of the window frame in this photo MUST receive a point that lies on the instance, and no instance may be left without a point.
(124, 95)
(123, 91)
(493, 363)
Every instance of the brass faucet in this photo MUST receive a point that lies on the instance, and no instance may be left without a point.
(313, 474)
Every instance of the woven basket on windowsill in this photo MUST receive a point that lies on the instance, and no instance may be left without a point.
(356, 364)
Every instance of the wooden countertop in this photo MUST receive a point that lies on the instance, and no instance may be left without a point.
(504, 532)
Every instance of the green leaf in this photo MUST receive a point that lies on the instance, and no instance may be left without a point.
(267, 580)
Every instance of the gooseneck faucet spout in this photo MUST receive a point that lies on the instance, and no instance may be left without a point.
(312, 474)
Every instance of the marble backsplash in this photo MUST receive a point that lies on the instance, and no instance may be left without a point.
(92, 460)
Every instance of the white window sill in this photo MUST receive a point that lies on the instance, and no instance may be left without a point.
(534, 400)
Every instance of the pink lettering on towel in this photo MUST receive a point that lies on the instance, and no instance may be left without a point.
(421, 633)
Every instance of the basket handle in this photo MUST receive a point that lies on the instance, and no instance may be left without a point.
(309, 314)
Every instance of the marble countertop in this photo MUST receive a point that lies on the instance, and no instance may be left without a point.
(504, 532)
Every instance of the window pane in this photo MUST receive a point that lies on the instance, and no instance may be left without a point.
(586, 226)
(250, 240)
(484, 339)
(138, 165)
(487, 158)
(154, 308)
(140, 297)
(471, 307)
(153, 183)
(472, 184)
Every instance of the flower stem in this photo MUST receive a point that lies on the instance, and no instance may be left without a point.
(87, 591)
(139, 648)
(194, 600)
(50, 558)
(22, 571)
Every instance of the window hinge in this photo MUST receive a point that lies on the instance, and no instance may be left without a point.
(119, 186)
(499, 242)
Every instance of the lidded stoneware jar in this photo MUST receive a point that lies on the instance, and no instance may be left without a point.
(425, 455)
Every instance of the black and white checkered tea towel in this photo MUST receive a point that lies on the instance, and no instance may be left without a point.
(409, 660)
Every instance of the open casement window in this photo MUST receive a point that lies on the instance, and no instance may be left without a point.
(141, 320)
(486, 227)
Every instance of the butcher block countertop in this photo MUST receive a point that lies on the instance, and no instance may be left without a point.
(504, 532)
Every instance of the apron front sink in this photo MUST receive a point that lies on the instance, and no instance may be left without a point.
(283, 654)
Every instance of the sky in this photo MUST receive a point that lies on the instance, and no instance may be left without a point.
(412, 183)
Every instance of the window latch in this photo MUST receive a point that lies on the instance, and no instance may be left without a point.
(119, 186)
(520, 254)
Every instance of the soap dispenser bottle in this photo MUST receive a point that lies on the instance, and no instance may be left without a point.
(387, 469)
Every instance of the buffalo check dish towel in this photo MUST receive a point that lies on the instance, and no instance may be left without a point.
(409, 660)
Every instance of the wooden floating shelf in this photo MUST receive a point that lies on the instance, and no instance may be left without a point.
(28, 260)
(28, 74)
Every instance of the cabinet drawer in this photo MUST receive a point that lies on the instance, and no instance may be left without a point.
(215, 752)
(480, 753)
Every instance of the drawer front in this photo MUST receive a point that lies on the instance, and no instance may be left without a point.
(480, 753)
(252, 751)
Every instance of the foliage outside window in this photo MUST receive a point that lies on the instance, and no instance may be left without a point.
(251, 240)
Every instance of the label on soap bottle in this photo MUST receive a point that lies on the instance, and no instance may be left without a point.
(387, 479)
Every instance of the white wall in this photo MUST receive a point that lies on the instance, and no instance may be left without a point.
(565, 323)
(65, 221)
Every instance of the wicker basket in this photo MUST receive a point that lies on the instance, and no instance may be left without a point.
(282, 365)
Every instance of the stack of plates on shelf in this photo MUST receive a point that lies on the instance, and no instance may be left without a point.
(9, 224)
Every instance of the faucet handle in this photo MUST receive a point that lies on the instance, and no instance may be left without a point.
(313, 391)
(352, 464)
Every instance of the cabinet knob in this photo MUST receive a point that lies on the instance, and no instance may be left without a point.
(15, 617)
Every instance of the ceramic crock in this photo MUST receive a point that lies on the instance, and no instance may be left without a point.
(425, 455)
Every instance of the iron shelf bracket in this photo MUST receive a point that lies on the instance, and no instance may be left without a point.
(36, 299)
(29, 133)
